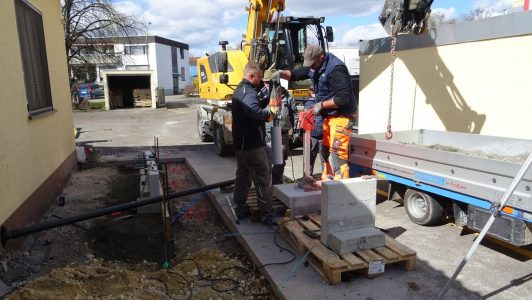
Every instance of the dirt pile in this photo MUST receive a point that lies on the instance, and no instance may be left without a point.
(207, 274)
(125, 255)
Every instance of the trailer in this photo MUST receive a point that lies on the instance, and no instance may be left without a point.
(462, 175)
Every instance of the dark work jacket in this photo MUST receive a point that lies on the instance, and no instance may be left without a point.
(249, 117)
(324, 91)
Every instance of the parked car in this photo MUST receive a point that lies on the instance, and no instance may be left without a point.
(97, 91)
(90, 90)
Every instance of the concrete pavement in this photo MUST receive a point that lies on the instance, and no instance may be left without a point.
(492, 273)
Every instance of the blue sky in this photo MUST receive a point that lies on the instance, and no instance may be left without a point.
(202, 23)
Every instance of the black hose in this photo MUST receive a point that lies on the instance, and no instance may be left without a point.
(6, 235)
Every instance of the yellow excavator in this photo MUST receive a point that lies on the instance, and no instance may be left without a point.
(276, 42)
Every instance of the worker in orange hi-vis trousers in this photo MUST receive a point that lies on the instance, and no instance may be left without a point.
(336, 135)
(335, 101)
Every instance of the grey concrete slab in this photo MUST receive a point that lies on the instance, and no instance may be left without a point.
(492, 273)
(348, 215)
(353, 240)
(299, 201)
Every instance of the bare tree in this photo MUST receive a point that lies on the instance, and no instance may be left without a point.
(90, 28)
(476, 14)
(439, 19)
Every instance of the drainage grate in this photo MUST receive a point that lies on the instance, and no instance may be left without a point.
(110, 153)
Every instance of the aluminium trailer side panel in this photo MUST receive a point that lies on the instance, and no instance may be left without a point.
(472, 165)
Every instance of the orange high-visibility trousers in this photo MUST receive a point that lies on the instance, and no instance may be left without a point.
(336, 135)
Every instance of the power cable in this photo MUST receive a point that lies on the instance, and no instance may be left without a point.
(281, 247)
(186, 283)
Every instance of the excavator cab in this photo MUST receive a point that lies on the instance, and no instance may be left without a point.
(405, 16)
(285, 43)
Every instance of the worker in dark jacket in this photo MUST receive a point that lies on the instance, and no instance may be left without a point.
(335, 102)
(249, 135)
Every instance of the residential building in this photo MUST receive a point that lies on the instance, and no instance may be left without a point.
(37, 148)
(168, 59)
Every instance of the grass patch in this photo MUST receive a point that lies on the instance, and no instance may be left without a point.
(97, 105)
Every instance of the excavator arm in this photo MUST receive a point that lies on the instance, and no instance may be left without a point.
(405, 16)
(260, 12)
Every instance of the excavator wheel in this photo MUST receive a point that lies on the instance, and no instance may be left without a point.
(220, 146)
(203, 135)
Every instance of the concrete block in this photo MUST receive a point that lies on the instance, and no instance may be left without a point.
(153, 189)
(143, 184)
(348, 205)
(299, 201)
(356, 239)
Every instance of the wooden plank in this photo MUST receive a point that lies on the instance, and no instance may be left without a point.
(316, 219)
(334, 276)
(369, 255)
(326, 273)
(353, 261)
(388, 254)
(409, 264)
(310, 225)
(315, 246)
(398, 247)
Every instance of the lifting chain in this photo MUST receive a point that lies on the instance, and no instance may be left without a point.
(389, 133)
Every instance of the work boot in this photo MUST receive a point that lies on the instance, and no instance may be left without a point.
(241, 211)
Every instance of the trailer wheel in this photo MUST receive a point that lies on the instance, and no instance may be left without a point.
(204, 137)
(220, 147)
(422, 208)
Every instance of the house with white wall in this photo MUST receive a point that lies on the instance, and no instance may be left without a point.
(168, 59)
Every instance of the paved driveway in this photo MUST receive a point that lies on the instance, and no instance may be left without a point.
(137, 127)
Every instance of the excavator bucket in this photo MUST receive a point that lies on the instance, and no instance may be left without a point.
(405, 16)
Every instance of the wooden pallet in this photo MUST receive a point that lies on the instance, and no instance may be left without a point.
(332, 266)
(143, 103)
(254, 209)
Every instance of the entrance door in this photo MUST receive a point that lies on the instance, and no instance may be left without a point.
(176, 84)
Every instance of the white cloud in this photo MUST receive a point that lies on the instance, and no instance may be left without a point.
(203, 23)
(497, 6)
(130, 8)
(448, 13)
(365, 32)
(333, 7)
